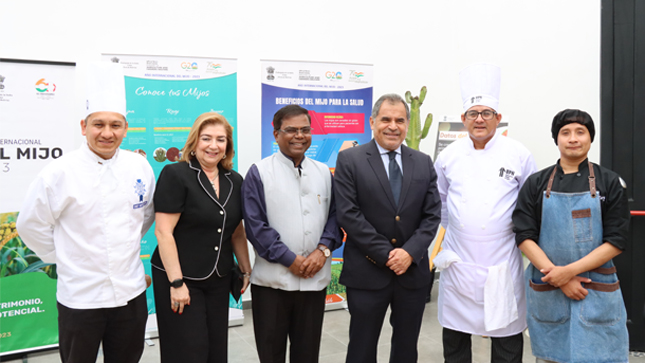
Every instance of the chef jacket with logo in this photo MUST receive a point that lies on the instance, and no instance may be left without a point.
(88, 216)
(481, 288)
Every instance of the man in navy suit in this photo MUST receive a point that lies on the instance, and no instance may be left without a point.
(387, 202)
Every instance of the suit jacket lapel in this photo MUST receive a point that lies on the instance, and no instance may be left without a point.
(376, 162)
(408, 171)
(225, 186)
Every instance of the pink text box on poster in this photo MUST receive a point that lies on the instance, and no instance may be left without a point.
(336, 123)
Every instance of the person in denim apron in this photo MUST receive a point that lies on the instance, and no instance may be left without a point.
(575, 306)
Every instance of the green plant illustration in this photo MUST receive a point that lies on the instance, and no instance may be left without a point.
(15, 257)
(160, 154)
(415, 134)
(334, 286)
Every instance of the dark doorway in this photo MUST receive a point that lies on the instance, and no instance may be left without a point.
(622, 140)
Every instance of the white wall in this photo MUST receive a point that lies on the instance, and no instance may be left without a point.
(549, 50)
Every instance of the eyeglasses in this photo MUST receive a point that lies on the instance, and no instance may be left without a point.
(292, 131)
(487, 115)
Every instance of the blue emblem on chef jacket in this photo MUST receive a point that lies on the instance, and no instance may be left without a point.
(140, 190)
(507, 174)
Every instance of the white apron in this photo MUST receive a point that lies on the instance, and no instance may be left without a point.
(482, 293)
(464, 285)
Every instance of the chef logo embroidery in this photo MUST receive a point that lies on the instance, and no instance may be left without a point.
(475, 99)
(507, 174)
(140, 190)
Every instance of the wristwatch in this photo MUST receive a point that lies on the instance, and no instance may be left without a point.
(177, 283)
(326, 252)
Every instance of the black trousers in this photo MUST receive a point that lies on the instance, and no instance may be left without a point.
(296, 314)
(367, 309)
(457, 348)
(121, 329)
(200, 333)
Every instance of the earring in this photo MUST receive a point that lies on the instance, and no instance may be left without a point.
(192, 153)
(224, 157)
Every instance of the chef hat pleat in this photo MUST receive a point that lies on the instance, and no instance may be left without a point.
(480, 85)
(104, 87)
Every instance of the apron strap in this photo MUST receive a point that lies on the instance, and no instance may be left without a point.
(592, 181)
(598, 286)
(605, 270)
(548, 188)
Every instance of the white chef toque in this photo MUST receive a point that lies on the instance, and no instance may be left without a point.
(480, 85)
(104, 87)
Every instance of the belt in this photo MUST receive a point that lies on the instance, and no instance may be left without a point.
(598, 286)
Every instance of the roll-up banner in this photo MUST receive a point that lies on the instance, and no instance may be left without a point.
(37, 125)
(165, 94)
(339, 99)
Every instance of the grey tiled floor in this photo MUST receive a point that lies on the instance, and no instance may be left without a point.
(334, 342)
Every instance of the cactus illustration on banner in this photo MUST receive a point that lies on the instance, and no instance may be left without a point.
(415, 134)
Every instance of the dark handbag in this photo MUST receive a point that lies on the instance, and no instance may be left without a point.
(237, 281)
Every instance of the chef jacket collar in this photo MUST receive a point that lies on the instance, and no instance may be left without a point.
(581, 166)
(490, 142)
(95, 158)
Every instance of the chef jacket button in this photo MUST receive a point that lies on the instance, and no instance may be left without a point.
(397, 218)
(461, 225)
(393, 240)
(305, 212)
(483, 226)
(219, 230)
(216, 248)
(463, 200)
(578, 174)
(221, 212)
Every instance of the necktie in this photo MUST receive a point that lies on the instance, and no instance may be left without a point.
(395, 176)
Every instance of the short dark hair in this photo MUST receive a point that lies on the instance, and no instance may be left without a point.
(392, 98)
(287, 112)
(570, 116)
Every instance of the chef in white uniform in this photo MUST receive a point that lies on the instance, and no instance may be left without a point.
(87, 212)
(481, 290)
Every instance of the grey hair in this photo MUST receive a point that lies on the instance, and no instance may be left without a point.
(391, 98)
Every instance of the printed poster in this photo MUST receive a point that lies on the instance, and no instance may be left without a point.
(38, 125)
(165, 94)
(339, 99)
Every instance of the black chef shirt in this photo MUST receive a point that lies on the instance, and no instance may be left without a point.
(527, 216)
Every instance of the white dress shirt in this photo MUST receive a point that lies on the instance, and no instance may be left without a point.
(386, 158)
(88, 216)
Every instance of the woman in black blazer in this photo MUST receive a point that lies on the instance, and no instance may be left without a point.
(199, 228)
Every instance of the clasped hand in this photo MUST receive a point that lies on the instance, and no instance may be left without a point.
(564, 278)
(308, 267)
(398, 261)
